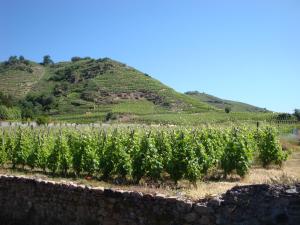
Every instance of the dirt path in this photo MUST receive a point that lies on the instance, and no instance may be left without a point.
(40, 70)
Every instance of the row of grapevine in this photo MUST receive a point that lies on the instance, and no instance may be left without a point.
(140, 153)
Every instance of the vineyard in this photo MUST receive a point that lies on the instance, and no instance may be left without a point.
(140, 153)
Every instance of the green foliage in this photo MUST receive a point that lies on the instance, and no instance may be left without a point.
(3, 153)
(238, 153)
(76, 148)
(60, 156)
(204, 118)
(15, 63)
(114, 159)
(10, 143)
(210, 147)
(43, 102)
(27, 109)
(147, 161)
(163, 146)
(23, 146)
(76, 58)
(6, 113)
(42, 120)
(34, 152)
(90, 160)
(149, 153)
(3, 112)
(140, 107)
(297, 114)
(46, 146)
(270, 150)
(12, 60)
(47, 60)
(6, 100)
(183, 161)
(110, 116)
(227, 109)
(54, 156)
(64, 153)
(284, 116)
(121, 158)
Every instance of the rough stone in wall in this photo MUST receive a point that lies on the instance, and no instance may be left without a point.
(260, 204)
(27, 201)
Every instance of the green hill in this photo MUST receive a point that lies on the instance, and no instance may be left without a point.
(88, 90)
(222, 103)
(91, 86)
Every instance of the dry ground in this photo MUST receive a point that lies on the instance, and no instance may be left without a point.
(289, 173)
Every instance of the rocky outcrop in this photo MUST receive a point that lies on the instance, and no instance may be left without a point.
(29, 201)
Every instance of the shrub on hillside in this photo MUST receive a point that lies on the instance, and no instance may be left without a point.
(6, 99)
(18, 64)
(75, 58)
(227, 109)
(297, 114)
(42, 120)
(12, 60)
(44, 102)
(27, 109)
(47, 60)
(284, 116)
(110, 116)
(3, 112)
(7, 113)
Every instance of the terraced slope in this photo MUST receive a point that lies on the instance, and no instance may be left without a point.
(89, 86)
(19, 81)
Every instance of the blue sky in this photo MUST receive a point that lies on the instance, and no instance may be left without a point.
(242, 50)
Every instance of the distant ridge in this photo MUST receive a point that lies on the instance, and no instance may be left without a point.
(222, 103)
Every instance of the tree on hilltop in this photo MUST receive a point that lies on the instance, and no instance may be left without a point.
(47, 60)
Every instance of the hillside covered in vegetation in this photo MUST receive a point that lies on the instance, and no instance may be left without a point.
(89, 90)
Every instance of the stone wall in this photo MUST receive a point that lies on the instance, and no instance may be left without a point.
(25, 201)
